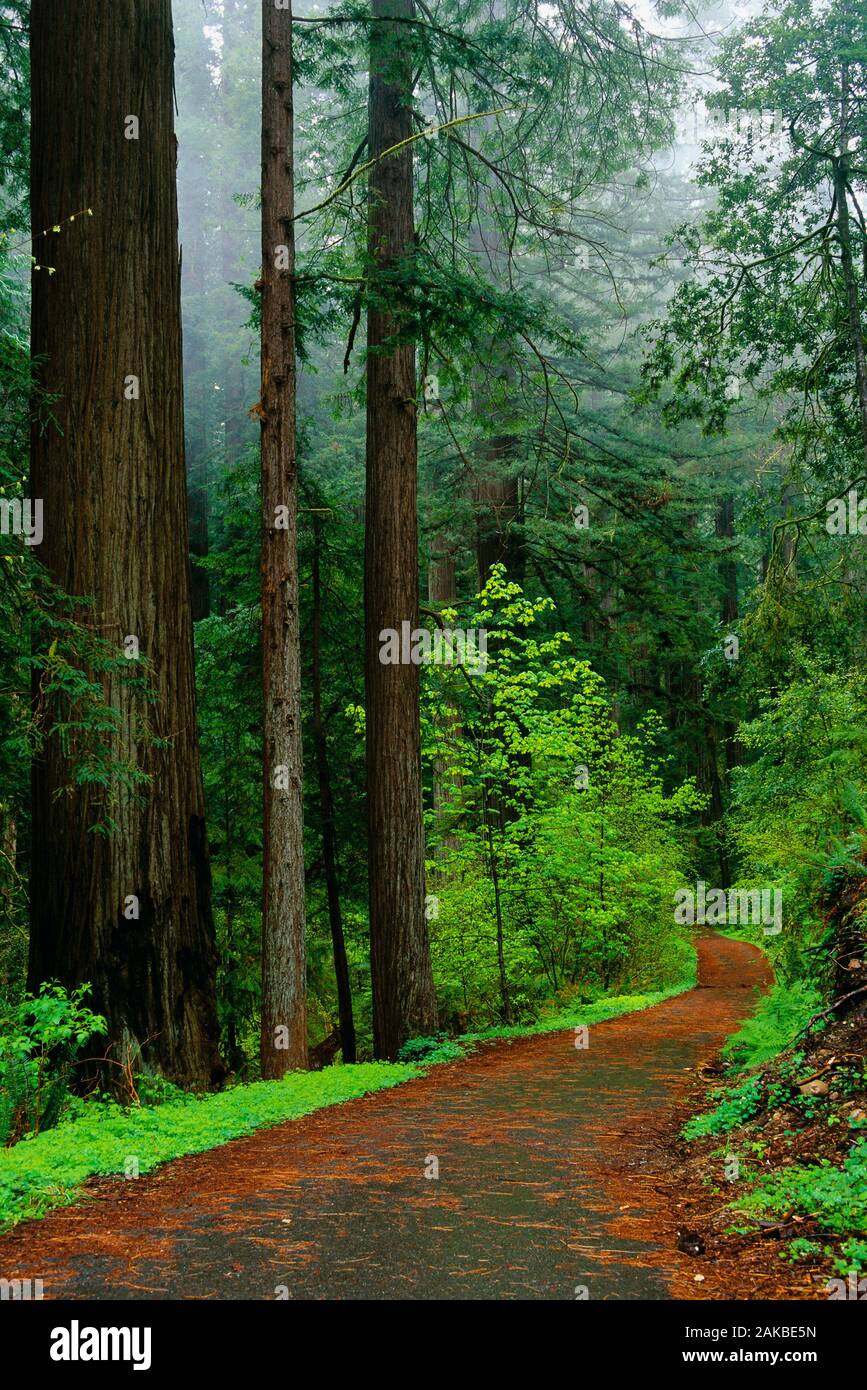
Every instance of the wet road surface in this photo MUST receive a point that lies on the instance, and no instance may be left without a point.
(547, 1157)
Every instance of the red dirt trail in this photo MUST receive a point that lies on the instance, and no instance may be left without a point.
(549, 1164)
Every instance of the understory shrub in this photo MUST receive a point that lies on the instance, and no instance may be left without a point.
(41, 1038)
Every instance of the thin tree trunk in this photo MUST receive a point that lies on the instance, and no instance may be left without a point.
(234, 1052)
(112, 478)
(403, 994)
(198, 440)
(9, 851)
(496, 490)
(284, 988)
(197, 501)
(442, 593)
(724, 525)
(326, 805)
(505, 1002)
(238, 27)
(728, 573)
(853, 309)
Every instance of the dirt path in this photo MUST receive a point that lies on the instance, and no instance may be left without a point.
(546, 1182)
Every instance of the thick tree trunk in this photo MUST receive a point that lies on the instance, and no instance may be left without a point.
(326, 806)
(284, 989)
(111, 474)
(402, 979)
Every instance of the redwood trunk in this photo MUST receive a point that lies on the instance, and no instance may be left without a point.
(284, 995)
(111, 474)
(402, 979)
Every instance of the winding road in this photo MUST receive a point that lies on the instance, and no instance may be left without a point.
(528, 1170)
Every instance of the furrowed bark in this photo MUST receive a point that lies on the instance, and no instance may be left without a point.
(111, 475)
(402, 979)
(284, 996)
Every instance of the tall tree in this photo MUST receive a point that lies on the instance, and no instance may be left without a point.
(403, 994)
(127, 910)
(776, 294)
(284, 985)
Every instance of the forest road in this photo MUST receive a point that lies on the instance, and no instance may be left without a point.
(548, 1157)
